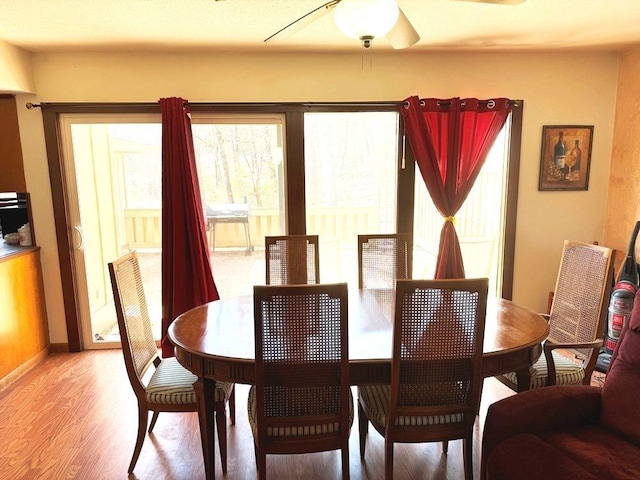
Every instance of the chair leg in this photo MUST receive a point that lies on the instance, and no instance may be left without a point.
(143, 417)
(388, 459)
(345, 461)
(467, 453)
(262, 464)
(255, 453)
(154, 418)
(232, 405)
(523, 378)
(221, 426)
(363, 427)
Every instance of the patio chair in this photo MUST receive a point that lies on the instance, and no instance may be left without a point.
(301, 402)
(170, 387)
(292, 259)
(576, 320)
(436, 371)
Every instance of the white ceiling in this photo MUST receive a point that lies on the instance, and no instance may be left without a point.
(201, 25)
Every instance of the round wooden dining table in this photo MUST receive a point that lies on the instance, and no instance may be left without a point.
(215, 341)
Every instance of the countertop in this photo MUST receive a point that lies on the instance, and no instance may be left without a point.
(10, 251)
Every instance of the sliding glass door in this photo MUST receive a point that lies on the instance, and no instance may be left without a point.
(114, 193)
(480, 222)
(350, 163)
(240, 161)
(331, 170)
(112, 179)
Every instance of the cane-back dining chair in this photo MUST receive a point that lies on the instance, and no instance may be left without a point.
(170, 386)
(383, 259)
(292, 259)
(577, 320)
(301, 402)
(436, 371)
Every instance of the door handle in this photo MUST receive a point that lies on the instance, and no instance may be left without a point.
(80, 232)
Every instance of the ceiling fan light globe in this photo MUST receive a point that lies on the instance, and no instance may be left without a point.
(366, 18)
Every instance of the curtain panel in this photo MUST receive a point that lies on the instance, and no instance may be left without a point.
(450, 139)
(187, 280)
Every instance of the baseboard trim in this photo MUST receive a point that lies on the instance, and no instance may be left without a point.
(18, 372)
(59, 348)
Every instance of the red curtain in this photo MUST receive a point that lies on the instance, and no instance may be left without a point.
(450, 139)
(187, 280)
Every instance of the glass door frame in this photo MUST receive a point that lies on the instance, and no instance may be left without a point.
(294, 174)
(74, 218)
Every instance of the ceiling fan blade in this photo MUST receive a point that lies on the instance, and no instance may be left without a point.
(499, 2)
(402, 35)
(304, 20)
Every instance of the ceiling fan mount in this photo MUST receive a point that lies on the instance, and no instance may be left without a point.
(366, 40)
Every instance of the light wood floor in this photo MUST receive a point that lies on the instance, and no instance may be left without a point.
(75, 417)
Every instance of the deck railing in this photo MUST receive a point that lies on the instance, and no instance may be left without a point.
(143, 227)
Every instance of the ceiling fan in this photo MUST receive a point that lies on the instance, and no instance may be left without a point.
(367, 19)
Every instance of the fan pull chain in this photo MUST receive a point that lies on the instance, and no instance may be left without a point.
(367, 50)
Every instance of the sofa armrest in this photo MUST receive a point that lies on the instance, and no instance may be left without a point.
(538, 410)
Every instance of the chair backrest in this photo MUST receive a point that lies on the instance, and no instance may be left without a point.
(292, 259)
(302, 360)
(579, 309)
(438, 337)
(384, 258)
(138, 345)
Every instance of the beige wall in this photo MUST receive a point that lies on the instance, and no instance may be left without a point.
(16, 75)
(558, 88)
(623, 209)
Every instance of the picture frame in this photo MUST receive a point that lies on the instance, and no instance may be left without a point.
(565, 159)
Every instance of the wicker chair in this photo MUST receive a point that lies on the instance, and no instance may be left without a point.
(382, 259)
(170, 388)
(301, 402)
(292, 260)
(436, 372)
(576, 320)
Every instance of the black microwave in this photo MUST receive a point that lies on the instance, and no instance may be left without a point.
(15, 211)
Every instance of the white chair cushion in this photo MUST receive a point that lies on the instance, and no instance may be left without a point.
(171, 383)
(293, 431)
(376, 399)
(568, 372)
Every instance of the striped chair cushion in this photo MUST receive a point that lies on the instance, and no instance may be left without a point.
(568, 372)
(376, 400)
(171, 383)
(293, 431)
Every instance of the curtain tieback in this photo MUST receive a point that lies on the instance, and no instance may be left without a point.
(450, 219)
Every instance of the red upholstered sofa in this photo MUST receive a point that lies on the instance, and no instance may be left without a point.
(571, 432)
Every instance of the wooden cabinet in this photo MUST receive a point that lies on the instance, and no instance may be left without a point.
(11, 166)
(24, 333)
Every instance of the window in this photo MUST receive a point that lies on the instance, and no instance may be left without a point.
(240, 161)
(350, 163)
(480, 222)
(332, 170)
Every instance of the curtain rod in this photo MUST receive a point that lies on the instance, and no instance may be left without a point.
(31, 106)
(445, 103)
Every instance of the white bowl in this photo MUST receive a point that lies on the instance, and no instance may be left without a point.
(12, 238)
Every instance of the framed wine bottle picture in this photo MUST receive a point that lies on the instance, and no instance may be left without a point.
(566, 157)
